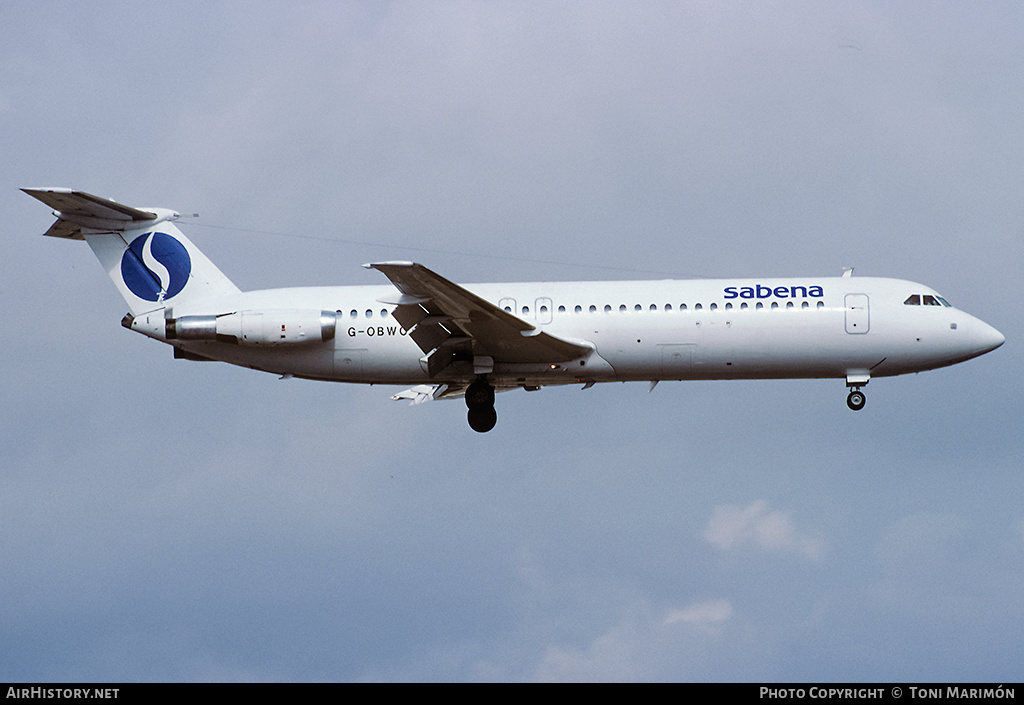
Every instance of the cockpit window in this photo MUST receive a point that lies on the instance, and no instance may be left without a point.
(926, 300)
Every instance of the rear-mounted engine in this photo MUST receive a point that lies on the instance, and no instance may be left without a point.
(274, 327)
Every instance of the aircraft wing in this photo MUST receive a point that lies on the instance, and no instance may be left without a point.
(449, 319)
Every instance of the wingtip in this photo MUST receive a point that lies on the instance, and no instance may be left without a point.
(37, 191)
(396, 263)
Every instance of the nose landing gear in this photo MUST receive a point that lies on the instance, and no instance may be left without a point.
(855, 381)
(480, 401)
(856, 400)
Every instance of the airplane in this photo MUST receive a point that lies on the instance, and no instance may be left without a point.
(449, 340)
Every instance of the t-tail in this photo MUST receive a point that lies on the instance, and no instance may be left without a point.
(148, 258)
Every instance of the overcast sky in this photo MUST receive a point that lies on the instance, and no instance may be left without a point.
(170, 520)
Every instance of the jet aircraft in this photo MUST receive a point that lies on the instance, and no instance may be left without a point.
(450, 340)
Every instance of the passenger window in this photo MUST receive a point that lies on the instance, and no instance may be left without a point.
(775, 304)
(561, 309)
(593, 309)
(714, 307)
(638, 307)
(369, 313)
(743, 306)
(759, 306)
(913, 300)
(622, 308)
(696, 307)
(682, 307)
(526, 310)
(728, 307)
(383, 313)
(668, 307)
(821, 304)
(578, 309)
(654, 307)
(607, 308)
(508, 309)
(789, 304)
(353, 314)
(805, 305)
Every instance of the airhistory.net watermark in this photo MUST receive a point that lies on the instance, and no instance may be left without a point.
(38, 692)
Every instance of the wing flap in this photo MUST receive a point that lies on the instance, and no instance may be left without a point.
(422, 392)
(428, 392)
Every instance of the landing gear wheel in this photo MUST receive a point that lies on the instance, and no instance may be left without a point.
(483, 420)
(480, 401)
(856, 400)
(479, 395)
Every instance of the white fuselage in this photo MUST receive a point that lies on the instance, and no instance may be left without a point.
(852, 327)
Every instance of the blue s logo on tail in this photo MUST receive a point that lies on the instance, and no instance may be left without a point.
(155, 266)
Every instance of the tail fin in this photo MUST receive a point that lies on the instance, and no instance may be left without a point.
(149, 259)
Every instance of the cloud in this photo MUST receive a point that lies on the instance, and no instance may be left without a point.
(703, 615)
(648, 647)
(732, 527)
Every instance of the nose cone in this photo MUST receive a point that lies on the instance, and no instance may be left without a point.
(985, 338)
(992, 339)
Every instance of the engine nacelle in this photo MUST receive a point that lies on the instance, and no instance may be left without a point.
(271, 327)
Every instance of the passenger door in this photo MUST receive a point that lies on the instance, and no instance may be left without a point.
(858, 315)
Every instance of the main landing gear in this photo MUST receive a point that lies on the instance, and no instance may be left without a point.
(480, 401)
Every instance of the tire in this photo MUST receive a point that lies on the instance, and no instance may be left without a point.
(856, 400)
(482, 420)
(480, 395)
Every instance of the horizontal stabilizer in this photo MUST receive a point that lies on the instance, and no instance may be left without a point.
(78, 209)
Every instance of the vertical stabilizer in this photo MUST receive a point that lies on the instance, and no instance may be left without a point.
(148, 258)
